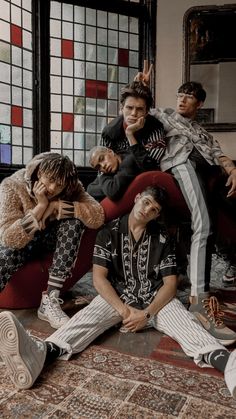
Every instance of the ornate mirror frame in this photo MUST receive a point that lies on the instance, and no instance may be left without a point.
(209, 52)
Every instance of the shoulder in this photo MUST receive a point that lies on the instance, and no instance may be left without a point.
(113, 126)
(153, 122)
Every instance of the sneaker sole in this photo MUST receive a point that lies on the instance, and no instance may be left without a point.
(10, 353)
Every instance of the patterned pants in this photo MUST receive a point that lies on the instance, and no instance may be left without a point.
(173, 320)
(61, 237)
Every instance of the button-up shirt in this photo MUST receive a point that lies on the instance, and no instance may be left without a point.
(135, 269)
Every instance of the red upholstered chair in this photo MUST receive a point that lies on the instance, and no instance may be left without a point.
(26, 285)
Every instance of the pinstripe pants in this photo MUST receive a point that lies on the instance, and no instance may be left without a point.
(173, 320)
(192, 189)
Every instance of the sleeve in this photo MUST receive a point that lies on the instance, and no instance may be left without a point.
(102, 249)
(95, 190)
(168, 261)
(17, 228)
(86, 209)
(142, 156)
(216, 150)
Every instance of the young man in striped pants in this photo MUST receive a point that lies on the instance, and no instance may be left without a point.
(135, 276)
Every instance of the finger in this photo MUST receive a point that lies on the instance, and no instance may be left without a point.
(145, 66)
(150, 70)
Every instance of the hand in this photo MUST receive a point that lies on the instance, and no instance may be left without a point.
(51, 211)
(232, 183)
(139, 124)
(136, 320)
(144, 76)
(40, 193)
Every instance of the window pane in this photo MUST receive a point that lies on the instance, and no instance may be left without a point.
(99, 61)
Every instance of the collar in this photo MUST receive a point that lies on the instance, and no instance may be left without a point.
(153, 228)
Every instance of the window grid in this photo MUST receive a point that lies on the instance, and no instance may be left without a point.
(93, 54)
(16, 129)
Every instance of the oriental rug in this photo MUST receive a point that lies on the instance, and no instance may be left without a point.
(101, 383)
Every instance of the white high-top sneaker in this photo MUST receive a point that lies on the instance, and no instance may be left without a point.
(22, 354)
(230, 374)
(50, 310)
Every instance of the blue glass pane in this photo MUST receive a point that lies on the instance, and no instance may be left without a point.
(5, 153)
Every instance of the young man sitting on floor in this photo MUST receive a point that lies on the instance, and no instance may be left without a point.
(134, 273)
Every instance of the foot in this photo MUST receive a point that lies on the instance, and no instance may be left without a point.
(229, 279)
(50, 310)
(230, 374)
(207, 311)
(22, 354)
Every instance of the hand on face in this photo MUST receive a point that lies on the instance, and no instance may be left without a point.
(40, 193)
(139, 124)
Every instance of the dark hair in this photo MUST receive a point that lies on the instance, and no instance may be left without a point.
(138, 90)
(61, 168)
(158, 193)
(193, 88)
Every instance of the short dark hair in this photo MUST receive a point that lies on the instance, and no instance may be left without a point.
(158, 193)
(138, 90)
(193, 88)
(61, 168)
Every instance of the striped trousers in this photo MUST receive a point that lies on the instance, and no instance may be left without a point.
(193, 190)
(173, 320)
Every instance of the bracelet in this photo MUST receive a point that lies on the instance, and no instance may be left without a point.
(234, 168)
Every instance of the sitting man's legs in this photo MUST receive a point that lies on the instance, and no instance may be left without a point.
(62, 237)
(203, 306)
(25, 357)
(67, 240)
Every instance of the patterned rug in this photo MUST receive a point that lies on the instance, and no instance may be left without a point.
(101, 383)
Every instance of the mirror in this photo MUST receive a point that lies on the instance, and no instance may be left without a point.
(210, 58)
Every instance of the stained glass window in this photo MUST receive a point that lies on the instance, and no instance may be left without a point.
(93, 53)
(16, 127)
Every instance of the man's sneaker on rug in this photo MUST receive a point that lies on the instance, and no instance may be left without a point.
(50, 309)
(229, 278)
(230, 374)
(22, 354)
(207, 310)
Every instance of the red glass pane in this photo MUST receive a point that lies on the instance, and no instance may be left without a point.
(96, 89)
(16, 35)
(67, 48)
(17, 116)
(67, 122)
(123, 57)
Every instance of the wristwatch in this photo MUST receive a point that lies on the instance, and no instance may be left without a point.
(147, 314)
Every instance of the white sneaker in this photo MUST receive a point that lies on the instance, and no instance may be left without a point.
(230, 374)
(50, 310)
(22, 354)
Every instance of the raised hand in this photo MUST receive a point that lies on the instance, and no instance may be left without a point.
(144, 76)
(51, 212)
(40, 193)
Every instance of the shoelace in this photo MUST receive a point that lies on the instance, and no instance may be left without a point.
(55, 307)
(212, 307)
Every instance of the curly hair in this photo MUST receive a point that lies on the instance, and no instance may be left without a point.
(62, 169)
(138, 90)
